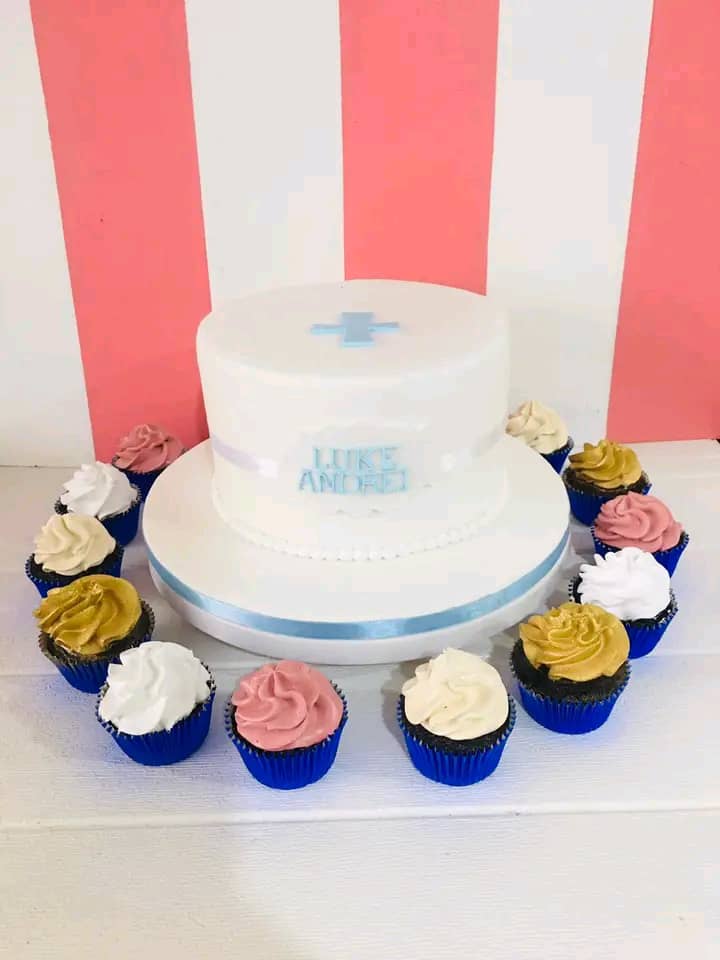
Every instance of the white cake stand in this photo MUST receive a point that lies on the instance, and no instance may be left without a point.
(355, 611)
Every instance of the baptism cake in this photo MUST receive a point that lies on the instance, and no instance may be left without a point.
(367, 435)
(358, 489)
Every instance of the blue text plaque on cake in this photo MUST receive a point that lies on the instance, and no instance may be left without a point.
(354, 470)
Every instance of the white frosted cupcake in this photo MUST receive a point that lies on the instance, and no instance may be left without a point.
(541, 428)
(157, 702)
(633, 586)
(70, 546)
(100, 490)
(456, 716)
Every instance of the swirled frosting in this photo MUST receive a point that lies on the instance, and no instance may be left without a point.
(147, 448)
(630, 584)
(576, 641)
(634, 520)
(89, 614)
(153, 687)
(71, 543)
(607, 465)
(456, 695)
(286, 705)
(97, 490)
(539, 426)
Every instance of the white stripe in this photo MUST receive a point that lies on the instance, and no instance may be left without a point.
(43, 414)
(266, 92)
(569, 96)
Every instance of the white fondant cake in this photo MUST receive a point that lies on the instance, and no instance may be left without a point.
(356, 420)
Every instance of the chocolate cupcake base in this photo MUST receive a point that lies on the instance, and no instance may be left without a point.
(667, 558)
(557, 458)
(644, 634)
(143, 481)
(163, 747)
(586, 499)
(88, 674)
(122, 527)
(287, 769)
(455, 763)
(45, 580)
(566, 706)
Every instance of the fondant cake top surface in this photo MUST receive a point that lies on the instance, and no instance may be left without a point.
(353, 329)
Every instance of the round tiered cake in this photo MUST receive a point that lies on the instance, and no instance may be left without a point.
(357, 498)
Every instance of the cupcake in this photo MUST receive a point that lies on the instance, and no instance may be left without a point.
(571, 665)
(71, 546)
(633, 586)
(87, 624)
(456, 717)
(598, 474)
(144, 453)
(643, 522)
(100, 490)
(543, 430)
(157, 703)
(285, 720)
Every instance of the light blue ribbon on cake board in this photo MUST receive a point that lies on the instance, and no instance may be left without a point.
(362, 629)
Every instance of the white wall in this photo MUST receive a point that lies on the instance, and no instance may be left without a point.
(43, 406)
(569, 98)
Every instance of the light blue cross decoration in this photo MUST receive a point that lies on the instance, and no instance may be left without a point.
(356, 328)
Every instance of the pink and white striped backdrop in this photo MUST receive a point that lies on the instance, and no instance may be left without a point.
(165, 156)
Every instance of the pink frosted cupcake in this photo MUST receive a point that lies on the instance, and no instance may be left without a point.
(144, 453)
(285, 720)
(639, 520)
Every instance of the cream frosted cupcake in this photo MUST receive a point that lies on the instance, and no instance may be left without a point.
(88, 623)
(157, 703)
(285, 721)
(144, 453)
(634, 587)
(456, 716)
(100, 490)
(600, 472)
(541, 428)
(640, 521)
(70, 546)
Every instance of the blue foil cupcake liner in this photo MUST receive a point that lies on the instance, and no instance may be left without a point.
(287, 769)
(586, 506)
(88, 675)
(143, 481)
(668, 558)
(557, 458)
(644, 635)
(454, 769)
(569, 716)
(111, 565)
(123, 527)
(165, 746)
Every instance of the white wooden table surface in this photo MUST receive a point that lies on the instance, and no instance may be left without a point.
(605, 846)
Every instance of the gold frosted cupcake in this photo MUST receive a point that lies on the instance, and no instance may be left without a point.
(571, 665)
(87, 624)
(601, 472)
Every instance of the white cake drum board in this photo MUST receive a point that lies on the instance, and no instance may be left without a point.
(348, 612)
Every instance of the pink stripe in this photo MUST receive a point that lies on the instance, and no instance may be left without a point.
(665, 375)
(116, 79)
(418, 86)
